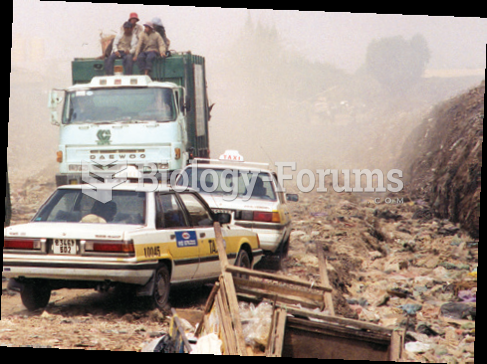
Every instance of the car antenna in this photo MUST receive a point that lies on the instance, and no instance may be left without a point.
(267, 155)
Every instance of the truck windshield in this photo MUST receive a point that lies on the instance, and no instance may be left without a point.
(72, 205)
(119, 104)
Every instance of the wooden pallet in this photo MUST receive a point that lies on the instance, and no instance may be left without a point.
(297, 328)
(299, 333)
(221, 314)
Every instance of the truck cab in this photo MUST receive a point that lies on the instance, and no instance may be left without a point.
(157, 124)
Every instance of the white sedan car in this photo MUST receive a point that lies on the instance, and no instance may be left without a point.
(146, 238)
(249, 192)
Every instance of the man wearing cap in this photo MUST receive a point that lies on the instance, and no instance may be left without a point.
(137, 28)
(124, 46)
(150, 46)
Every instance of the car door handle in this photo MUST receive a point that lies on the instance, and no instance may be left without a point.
(202, 235)
(172, 236)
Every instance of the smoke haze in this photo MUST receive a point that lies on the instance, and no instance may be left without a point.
(288, 85)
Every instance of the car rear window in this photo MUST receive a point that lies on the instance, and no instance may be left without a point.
(221, 181)
(68, 205)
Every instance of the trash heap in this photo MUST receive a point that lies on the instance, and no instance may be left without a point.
(442, 159)
(394, 266)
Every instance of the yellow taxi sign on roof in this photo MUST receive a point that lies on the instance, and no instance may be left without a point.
(231, 155)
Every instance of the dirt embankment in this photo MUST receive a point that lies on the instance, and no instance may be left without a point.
(443, 160)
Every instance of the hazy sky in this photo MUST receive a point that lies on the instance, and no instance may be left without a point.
(73, 29)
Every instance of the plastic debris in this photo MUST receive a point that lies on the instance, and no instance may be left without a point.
(208, 344)
(417, 347)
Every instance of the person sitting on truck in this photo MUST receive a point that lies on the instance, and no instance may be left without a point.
(159, 28)
(137, 28)
(150, 46)
(124, 48)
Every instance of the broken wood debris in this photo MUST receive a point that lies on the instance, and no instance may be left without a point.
(295, 330)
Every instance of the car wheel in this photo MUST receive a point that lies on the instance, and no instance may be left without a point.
(283, 253)
(162, 280)
(34, 296)
(243, 259)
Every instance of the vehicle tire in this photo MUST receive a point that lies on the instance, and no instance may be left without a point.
(242, 261)
(162, 281)
(283, 253)
(35, 296)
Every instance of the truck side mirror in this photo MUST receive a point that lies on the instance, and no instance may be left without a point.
(292, 197)
(52, 104)
(187, 104)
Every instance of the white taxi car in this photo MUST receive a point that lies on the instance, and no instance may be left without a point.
(249, 192)
(149, 238)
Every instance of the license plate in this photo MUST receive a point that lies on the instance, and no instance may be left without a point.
(64, 246)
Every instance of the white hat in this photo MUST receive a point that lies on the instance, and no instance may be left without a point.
(157, 21)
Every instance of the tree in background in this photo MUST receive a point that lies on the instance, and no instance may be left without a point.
(397, 63)
(268, 74)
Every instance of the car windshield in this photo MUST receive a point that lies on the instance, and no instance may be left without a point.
(119, 104)
(221, 181)
(72, 205)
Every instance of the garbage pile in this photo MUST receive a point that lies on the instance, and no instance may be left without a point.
(443, 159)
(390, 265)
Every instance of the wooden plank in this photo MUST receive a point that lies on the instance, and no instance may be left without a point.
(332, 329)
(230, 292)
(278, 289)
(293, 300)
(278, 278)
(179, 328)
(227, 334)
(234, 312)
(324, 278)
(209, 304)
(338, 320)
(397, 341)
(222, 254)
(276, 336)
(300, 343)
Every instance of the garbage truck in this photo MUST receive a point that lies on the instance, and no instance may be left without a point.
(156, 124)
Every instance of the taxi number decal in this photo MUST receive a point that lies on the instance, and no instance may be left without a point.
(186, 238)
(152, 251)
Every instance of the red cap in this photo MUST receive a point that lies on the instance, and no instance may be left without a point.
(134, 15)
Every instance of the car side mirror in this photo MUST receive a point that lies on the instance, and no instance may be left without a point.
(292, 197)
(223, 218)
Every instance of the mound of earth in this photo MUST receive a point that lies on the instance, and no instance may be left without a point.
(443, 160)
